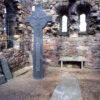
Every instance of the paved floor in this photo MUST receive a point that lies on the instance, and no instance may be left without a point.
(25, 87)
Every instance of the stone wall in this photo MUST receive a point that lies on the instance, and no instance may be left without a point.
(3, 37)
(1, 16)
(17, 59)
(84, 46)
(23, 28)
(87, 45)
(51, 54)
(22, 33)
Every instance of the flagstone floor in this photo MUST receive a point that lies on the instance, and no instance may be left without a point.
(24, 87)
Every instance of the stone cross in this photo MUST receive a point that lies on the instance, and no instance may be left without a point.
(38, 20)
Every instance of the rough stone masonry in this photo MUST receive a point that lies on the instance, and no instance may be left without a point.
(85, 44)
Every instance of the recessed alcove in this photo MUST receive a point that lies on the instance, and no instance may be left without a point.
(84, 10)
(71, 64)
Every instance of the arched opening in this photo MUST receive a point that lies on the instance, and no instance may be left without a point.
(64, 23)
(10, 16)
(83, 10)
(45, 1)
(16, 42)
(83, 23)
(62, 11)
(33, 8)
(5, 12)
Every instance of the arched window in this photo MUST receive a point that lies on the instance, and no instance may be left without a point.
(83, 23)
(64, 23)
(5, 12)
(45, 0)
(16, 42)
(33, 8)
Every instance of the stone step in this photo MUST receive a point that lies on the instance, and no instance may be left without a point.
(22, 71)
